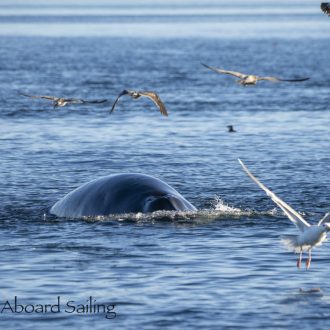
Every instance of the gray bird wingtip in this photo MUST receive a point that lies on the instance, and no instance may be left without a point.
(206, 66)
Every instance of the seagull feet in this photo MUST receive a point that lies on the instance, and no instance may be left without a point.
(308, 263)
(299, 263)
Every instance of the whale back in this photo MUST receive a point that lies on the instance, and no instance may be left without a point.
(120, 193)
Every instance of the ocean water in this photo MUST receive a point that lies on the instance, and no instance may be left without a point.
(222, 267)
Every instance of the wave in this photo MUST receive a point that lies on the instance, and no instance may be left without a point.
(219, 211)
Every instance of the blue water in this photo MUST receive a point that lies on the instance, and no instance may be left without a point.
(222, 267)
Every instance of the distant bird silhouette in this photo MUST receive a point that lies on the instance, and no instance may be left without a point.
(135, 95)
(309, 291)
(61, 102)
(325, 7)
(231, 129)
(249, 79)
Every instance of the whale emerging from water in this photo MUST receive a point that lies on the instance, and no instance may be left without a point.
(120, 193)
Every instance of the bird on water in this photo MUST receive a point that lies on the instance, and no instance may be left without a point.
(136, 95)
(61, 101)
(309, 235)
(250, 79)
(231, 129)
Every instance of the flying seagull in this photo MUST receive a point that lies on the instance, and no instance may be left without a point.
(61, 102)
(309, 235)
(325, 6)
(250, 79)
(135, 95)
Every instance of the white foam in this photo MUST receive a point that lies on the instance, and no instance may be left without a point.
(220, 210)
(220, 205)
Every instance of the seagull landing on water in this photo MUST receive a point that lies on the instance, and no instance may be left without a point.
(309, 235)
(325, 7)
(250, 79)
(61, 102)
(136, 95)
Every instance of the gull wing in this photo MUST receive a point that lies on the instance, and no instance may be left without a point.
(274, 79)
(74, 101)
(124, 92)
(324, 219)
(52, 98)
(294, 216)
(325, 7)
(233, 73)
(156, 99)
(81, 101)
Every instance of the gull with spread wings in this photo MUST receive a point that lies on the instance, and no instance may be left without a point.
(61, 101)
(250, 79)
(309, 235)
(136, 95)
(325, 7)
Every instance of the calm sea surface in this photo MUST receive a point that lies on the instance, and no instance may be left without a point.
(222, 267)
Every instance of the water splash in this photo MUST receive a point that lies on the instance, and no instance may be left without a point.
(219, 211)
(220, 205)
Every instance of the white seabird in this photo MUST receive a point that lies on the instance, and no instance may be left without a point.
(309, 235)
(136, 95)
(61, 101)
(250, 79)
